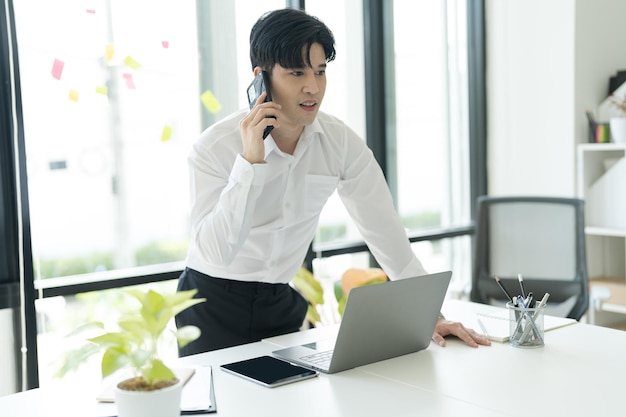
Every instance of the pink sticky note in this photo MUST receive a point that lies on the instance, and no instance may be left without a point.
(129, 80)
(57, 69)
(91, 11)
(165, 44)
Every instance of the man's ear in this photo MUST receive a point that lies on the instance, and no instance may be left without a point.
(257, 70)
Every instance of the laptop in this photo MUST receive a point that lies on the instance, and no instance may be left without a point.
(379, 322)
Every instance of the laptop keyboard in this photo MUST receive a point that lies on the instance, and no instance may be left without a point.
(321, 359)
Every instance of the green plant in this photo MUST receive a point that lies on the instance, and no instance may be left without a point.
(312, 291)
(134, 344)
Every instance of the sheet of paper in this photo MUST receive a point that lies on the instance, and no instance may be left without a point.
(197, 392)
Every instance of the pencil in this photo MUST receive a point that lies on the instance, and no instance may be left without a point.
(508, 296)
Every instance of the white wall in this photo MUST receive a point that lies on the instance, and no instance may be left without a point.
(547, 61)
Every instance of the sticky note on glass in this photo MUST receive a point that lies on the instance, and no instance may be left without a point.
(73, 95)
(166, 134)
(131, 63)
(210, 102)
(165, 44)
(57, 69)
(102, 89)
(109, 51)
(130, 83)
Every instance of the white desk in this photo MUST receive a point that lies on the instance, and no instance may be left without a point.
(575, 374)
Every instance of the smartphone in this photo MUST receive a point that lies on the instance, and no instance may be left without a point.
(269, 371)
(258, 86)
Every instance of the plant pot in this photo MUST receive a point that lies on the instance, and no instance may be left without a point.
(164, 402)
(618, 129)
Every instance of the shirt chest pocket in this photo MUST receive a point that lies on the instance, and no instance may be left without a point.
(317, 190)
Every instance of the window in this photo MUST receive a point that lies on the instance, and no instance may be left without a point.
(114, 94)
(426, 108)
(431, 135)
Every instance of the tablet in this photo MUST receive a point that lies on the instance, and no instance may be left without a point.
(269, 371)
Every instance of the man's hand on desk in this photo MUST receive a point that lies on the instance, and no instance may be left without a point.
(446, 328)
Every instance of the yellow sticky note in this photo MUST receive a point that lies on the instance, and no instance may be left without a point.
(73, 95)
(109, 51)
(131, 63)
(166, 134)
(210, 102)
(102, 89)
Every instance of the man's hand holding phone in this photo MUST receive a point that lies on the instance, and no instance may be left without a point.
(257, 125)
(262, 115)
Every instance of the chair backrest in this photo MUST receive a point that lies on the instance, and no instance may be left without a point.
(541, 238)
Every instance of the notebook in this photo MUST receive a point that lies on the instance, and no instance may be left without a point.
(379, 322)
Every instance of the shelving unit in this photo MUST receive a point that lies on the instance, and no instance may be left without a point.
(601, 180)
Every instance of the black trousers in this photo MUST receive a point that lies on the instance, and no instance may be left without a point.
(237, 312)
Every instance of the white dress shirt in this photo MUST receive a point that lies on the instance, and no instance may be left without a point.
(254, 222)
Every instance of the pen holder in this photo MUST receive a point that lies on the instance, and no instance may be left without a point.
(525, 326)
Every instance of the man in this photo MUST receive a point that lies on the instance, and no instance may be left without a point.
(256, 203)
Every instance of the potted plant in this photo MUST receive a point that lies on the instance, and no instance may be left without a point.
(154, 390)
(618, 122)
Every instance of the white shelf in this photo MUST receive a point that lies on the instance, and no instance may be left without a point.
(602, 147)
(614, 308)
(605, 231)
(601, 182)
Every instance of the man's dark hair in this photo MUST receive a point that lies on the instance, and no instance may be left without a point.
(278, 37)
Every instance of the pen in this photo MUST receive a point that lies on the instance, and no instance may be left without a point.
(517, 313)
(508, 296)
(542, 304)
(521, 284)
(529, 300)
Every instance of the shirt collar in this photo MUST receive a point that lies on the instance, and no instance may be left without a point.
(310, 132)
(270, 146)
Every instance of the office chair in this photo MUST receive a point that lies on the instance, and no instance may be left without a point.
(541, 238)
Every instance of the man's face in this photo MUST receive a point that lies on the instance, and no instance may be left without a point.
(300, 90)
